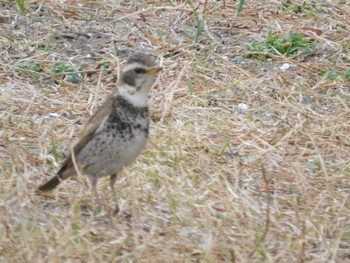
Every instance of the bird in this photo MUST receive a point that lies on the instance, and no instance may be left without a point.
(117, 133)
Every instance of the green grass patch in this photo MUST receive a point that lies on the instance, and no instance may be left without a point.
(63, 68)
(329, 74)
(332, 74)
(71, 72)
(29, 66)
(291, 45)
(298, 8)
(105, 64)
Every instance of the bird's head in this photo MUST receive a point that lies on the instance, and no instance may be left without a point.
(140, 72)
(137, 78)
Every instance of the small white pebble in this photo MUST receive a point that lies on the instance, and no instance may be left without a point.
(242, 108)
(54, 114)
(285, 66)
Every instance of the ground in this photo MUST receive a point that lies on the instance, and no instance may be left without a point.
(248, 157)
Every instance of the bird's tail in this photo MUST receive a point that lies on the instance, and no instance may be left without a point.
(49, 185)
(67, 170)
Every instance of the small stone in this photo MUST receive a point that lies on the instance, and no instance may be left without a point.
(285, 66)
(242, 108)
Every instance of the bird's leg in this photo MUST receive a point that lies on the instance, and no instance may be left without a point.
(93, 181)
(112, 179)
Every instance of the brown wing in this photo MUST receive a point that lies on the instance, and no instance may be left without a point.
(87, 134)
(90, 130)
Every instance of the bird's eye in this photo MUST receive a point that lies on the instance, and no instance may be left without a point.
(140, 70)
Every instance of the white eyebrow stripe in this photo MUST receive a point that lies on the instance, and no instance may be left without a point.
(133, 66)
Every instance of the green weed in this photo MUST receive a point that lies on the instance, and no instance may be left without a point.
(54, 150)
(47, 44)
(63, 68)
(240, 7)
(200, 26)
(290, 45)
(22, 6)
(72, 76)
(260, 249)
(331, 74)
(297, 8)
(29, 66)
(105, 64)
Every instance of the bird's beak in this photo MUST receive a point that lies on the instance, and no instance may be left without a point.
(154, 71)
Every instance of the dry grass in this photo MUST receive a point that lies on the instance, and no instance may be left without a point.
(216, 182)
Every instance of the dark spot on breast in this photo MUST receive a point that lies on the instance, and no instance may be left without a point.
(125, 119)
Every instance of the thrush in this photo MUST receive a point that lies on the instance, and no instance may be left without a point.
(116, 134)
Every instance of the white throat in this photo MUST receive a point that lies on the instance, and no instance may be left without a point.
(136, 98)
